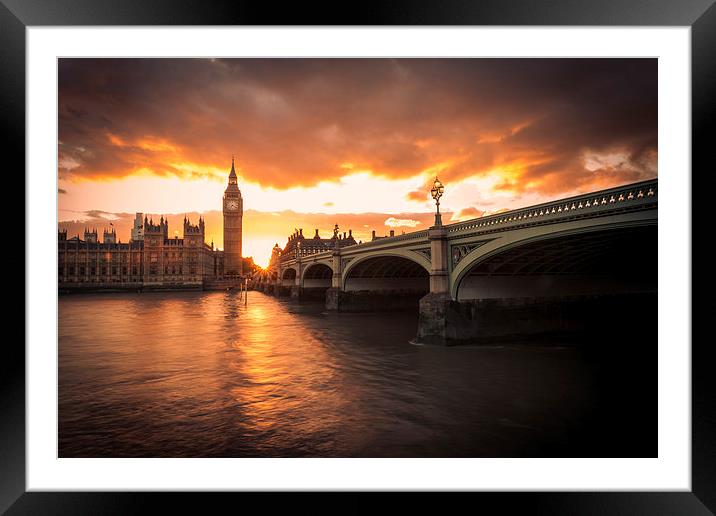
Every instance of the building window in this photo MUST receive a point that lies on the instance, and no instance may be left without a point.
(124, 271)
(104, 271)
(114, 271)
(93, 271)
(82, 271)
(71, 271)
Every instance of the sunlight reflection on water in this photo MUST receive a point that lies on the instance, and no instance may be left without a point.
(200, 374)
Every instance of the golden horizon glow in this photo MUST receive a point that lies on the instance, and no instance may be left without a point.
(314, 137)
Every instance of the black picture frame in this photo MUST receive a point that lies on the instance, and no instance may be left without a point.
(700, 15)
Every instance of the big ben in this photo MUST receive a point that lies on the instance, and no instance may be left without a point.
(233, 215)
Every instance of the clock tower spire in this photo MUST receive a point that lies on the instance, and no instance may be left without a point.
(233, 209)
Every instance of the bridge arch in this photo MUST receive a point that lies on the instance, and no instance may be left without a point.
(540, 258)
(289, 273)
(387, 270)
(288, 277)
(317, 274)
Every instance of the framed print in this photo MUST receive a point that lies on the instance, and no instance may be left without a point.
(416, 250)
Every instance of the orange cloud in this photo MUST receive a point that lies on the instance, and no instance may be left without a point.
(467, 214)
(418, 195)
(297, 122)
(116, 140)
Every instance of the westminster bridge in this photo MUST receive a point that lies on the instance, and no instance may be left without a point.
(541, 268)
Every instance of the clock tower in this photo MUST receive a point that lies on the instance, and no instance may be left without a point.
(233, 215)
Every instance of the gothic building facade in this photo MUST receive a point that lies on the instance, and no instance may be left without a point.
(297, 244)
(151, 259)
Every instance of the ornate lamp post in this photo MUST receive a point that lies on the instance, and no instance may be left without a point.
(336, 283)
(335, 237)
(436, 192)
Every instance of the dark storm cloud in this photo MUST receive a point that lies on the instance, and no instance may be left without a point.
(540, 122)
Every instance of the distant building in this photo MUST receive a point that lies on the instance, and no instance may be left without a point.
(151, 259)
(90, 236)
(298, 243)
(275, 255)
(109, 237)
(156, 261)
(138, 228)
(374, 237)
(92, 264)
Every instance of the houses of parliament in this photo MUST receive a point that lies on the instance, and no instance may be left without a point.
(151, 259)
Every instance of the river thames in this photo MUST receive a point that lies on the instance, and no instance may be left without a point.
(198, 374)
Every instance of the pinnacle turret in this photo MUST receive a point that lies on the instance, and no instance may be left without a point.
(232, 174)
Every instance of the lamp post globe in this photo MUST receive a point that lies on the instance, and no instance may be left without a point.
(436, 192)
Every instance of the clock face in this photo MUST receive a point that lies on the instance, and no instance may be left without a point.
(232, 204)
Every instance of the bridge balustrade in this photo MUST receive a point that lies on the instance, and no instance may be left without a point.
(610, 199)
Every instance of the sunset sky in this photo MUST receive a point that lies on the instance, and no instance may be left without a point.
(355, 142)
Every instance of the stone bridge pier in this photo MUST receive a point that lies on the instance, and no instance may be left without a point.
(545, 282)
(435, 325)
(285, 279)
(295, 291)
